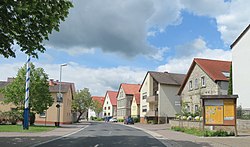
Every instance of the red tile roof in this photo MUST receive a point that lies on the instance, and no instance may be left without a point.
(130, 89)
(137, 98)
(213, 68)
(112, 96)
(100, 99)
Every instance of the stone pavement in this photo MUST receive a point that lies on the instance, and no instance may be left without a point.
(162, 131)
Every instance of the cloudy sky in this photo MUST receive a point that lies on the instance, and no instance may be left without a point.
(109, 42)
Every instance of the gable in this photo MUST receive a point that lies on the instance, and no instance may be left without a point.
(241, 35)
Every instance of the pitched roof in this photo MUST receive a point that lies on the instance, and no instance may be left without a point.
(137, 98)
(213, 68)
(99, 99)
(112, 96)
(130, 89)
(65, 86)
(241, 35)
(166, 78)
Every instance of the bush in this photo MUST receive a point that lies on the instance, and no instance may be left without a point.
(136, 119)
(120, 120)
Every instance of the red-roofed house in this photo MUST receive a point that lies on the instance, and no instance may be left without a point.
(204, 77)
(100, 100)
(110, 104)
(124, 99)
(135, 106)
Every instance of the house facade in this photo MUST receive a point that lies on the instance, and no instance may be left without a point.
(135, 107)
(158, 96)
(50, 115)
(125, 96)
(66, 116)
(110, 104)
(100, 101)
(204, 77)
(240, 67)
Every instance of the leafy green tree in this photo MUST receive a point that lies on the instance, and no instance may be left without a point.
(40, 96)
(230, 85)
(29, 22)
(82, 102)
(96, 107)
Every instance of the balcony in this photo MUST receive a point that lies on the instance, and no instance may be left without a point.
(152, 113)
(152, 99)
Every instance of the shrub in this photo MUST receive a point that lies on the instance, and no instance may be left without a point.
(120, 120)
(136, 119)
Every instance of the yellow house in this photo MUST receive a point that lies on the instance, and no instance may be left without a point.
(51, 115)
(135, 107)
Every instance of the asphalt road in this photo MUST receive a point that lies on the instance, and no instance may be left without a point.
(106, 135)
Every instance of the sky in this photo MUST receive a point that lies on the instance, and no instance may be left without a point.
(109, 42)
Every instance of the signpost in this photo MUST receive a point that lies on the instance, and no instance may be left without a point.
(219, 110)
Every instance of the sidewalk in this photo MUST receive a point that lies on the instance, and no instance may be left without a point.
(162, 131)
(61, 131)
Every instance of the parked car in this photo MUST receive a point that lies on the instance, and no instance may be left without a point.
(128, 120)
(113, 120)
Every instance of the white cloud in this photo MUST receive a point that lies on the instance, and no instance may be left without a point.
(98, 80)
(115, 26)
(232, 17)
(187, 52)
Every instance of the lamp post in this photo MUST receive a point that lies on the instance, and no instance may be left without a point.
(59, 95)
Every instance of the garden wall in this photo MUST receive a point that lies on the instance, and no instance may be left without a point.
(242, 125)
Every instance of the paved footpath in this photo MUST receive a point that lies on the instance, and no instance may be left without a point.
(162, 131)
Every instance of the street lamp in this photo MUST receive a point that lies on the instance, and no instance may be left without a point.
(59, 95)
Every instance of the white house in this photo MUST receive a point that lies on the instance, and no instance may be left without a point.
(241, 67)
(110, 104)
(159, 100)
(91, 112)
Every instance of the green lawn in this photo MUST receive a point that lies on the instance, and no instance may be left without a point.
(19, 128)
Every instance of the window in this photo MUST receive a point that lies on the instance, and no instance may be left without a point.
(203, 84)
(104, 108)
(196, 107)
(190, 85)
(196, 83)
(107, 102)
(105, 114)
(42, 114)
(144, 108)
(144, 95)
(109, 108)
(108, 114)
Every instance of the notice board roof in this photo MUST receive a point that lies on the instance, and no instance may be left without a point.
(219, 96)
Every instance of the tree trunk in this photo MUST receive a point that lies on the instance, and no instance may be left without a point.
(79, 117)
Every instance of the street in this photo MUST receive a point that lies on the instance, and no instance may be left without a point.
(106, 135)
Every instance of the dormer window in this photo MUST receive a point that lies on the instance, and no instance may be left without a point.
(226, 74)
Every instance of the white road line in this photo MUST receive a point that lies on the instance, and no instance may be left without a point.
(59, 137)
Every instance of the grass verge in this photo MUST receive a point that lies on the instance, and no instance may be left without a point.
(19, 128)
(206, 133)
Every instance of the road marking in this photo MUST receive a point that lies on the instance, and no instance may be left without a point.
(35, 145)
(96, 145)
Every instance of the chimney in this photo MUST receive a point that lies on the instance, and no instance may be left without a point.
(51, 82)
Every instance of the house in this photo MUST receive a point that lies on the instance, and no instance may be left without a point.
(204, 77)
(50, 115)
(135, 106)
(240, 67)
(110, 104)
(92, 113)
(66, 115)
(125, 95)
(159, 100)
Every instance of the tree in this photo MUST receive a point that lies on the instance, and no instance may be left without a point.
(28, 22)
(82, 102)
(230, 85)
(40, 96)
(96, 107)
